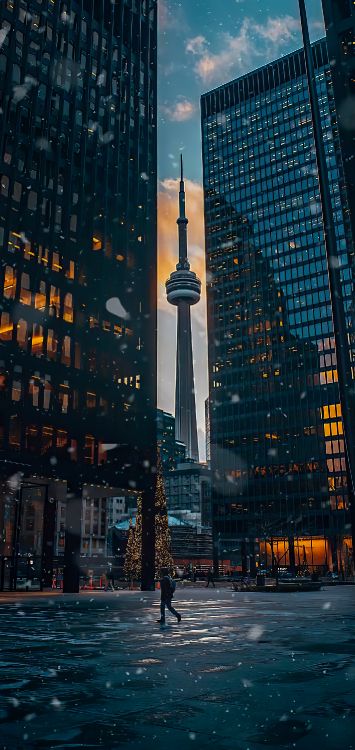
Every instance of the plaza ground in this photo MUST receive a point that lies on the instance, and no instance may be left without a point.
(241, 671)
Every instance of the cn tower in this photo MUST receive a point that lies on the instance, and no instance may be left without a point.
(183, 289)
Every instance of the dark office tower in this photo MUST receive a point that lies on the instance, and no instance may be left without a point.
(183, 290)
(208, 431)
(339, 17)
(78, 244)
(276, 432)
(171, 451)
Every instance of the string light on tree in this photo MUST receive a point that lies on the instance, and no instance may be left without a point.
(163, 558)
(133, 558)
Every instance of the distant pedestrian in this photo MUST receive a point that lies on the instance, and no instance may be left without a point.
(110, 576)
(210, 578)
(167, 588)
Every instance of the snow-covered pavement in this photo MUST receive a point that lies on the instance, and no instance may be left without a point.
(240, 671)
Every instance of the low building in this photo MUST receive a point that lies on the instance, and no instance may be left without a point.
(188, 487)
(99, 514)
(191, 543)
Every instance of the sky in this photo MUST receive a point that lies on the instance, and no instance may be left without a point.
(203, 44)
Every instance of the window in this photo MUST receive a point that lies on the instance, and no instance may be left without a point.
(9, 283)
(91, 400)
(16, 192)
(32, 200)
(47, 393)
(96, 243)
(15, 432)
(73, 450)
(6, 327)
(22, 334)
(62, 438)
(43, 255)
(66, 351)
(89, 451)
(32, 438)
(34, 391)
(37, 339)
(40, 297)
(56, 264)
(54, 301)
(77, 356)
(4, 185)
(16, 390)
(68, 308)
(25, 294)
(64, 398)
(47, 439)
(70, 273)
(52, 344)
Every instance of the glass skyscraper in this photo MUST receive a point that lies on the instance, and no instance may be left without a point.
(276, 432)
(78, 242)
(339, 17)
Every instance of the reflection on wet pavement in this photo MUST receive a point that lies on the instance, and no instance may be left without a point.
(96, 671)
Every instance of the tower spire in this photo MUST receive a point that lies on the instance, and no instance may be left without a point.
(183, 290)
(182, 222)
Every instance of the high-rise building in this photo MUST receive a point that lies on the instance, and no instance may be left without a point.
(187, 482)
(339, 17)
(277, 451)
(208, 433)
(172, 451)
(78, 244)
(183, 290)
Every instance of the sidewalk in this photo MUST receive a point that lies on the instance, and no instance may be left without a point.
(240, 672)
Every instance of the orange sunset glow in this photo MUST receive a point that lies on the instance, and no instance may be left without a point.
(167, 259)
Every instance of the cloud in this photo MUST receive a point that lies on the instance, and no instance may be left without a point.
(278, 30)
(252, 45)
(181, 111)
(167, 259)
(171, 17)
(197, 45)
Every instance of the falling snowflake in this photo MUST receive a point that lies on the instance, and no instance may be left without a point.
(115, 307)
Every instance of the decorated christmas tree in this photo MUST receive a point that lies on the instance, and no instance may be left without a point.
(163, 558)
(133, 558)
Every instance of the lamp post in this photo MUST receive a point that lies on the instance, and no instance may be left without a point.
(344, 364)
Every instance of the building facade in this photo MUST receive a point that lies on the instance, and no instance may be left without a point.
(78, 243)
(188, 488)
(339, 17)
(171, 450)
(277, 452)
(207, 429)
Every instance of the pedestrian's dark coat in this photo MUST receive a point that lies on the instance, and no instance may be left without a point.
(165, 589)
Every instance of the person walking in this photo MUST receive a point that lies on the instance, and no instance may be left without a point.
(210, 578)
(110, 579)
(167, 588)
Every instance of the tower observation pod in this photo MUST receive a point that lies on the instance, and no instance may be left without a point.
(183, 289)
